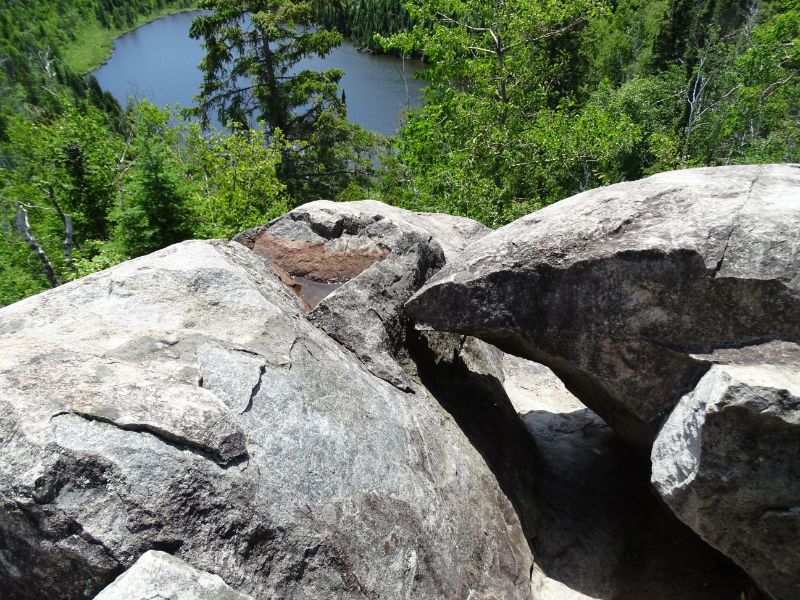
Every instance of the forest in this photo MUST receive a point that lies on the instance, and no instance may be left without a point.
(528, 102)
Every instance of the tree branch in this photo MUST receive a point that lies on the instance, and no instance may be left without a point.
(445, 19)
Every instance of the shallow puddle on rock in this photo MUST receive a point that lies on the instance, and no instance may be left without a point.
(312, 291)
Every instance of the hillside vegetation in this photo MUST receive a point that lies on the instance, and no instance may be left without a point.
(528, 102)
(84, 185)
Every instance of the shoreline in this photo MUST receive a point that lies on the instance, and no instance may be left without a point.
(97, 42)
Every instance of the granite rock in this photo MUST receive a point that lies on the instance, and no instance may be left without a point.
(182, 402)
(620, 289)
(160, 575)
(726, 463)
(355, 264)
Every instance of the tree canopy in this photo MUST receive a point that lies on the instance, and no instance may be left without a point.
(250, 72)
(530, 101)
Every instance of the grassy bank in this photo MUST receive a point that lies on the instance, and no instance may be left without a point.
(95, 42)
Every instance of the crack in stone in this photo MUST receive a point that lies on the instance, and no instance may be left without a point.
(792, 512)
(246, 351)
(718, 266)
(256, 389)
(166, 437)
(733, 229)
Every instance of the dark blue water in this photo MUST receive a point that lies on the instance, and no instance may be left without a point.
(158, 62)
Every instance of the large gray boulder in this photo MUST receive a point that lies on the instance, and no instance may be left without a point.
(619, 289)
(160, 575)
(726, 462)
(633, 294)
(361, 262)
(384, 254)
(182, 402)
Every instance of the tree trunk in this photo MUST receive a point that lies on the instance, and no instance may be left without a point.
(68, 230)
(24, 229)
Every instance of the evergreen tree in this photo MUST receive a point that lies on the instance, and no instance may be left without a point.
(360, 20)
(156, 212)
(252, 50)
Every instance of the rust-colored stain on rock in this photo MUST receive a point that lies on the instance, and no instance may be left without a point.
(313, 271)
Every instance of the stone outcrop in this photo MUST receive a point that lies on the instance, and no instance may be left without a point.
(260, 418)
(676, 296)
(617, 289)
(182, 402)
(726, 461)
(602, 533)
(383, 253)
(160, 575)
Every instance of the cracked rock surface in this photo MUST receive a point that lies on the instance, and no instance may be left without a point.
(673, 298)
(619, 288)
(378, 255)
(182, 402)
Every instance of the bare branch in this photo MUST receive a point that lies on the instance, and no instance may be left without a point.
(776, 84)
(479, 49)
(446, 19)
(122, 168)
(24, 230)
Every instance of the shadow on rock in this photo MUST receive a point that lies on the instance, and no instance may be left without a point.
(602, 532)
(462, 374)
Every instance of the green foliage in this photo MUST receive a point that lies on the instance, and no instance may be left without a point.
(528, 102)
(97, 255)
(59, 137)
(236, 182)
(20, 275)
(755, 96)
(619, 44)
(252, 47)
(163, 183)
(63, 162)
(156, 210)
(531, 101)
(182, 183)
(33, 36)
(491, 138)
(360, 20)
(61, 166)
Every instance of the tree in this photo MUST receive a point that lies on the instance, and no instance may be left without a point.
(235, 180)
(360, 20)
(60, 178)
(756, 113)
(157, 211)
(504, 77)
(253, 48)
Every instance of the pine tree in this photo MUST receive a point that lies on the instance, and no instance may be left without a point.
(252, 50)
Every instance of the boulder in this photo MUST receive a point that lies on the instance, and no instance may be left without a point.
(676, 296)
(161, 575)
(182, 402)
(726, 462)
(620, 289)
(384, 254)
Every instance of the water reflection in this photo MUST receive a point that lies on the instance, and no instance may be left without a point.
(158, 62)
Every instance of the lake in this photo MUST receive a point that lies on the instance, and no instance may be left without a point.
(158, 62)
